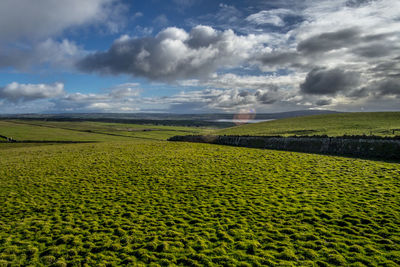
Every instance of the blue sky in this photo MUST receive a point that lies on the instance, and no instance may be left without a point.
(196, 56)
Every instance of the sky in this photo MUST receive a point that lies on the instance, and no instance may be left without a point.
(199, 56)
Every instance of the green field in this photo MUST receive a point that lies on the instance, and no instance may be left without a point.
(138, 202)
(90, 131)
(366, 123)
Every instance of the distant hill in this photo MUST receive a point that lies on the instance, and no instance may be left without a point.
(292, 114)
(146, 117)
(363, 123)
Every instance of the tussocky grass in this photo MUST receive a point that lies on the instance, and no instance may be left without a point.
(165, 203)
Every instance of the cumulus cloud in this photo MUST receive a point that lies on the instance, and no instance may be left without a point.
(253, 82)
(16, 92)
(61, 54)
(227, 100)
(331, 54)
(124, 90)
(325, 42)
(120, 98)
(208, 99)
(321, 81)
(387, 87)
(175, 54)
(347, 50)
(16, 97)
(266, 97)
(20, 19)
(28, 31)
(275, 60)
(323, 102)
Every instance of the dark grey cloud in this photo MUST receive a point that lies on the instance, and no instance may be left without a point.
(317, 50)
(16, 92)
(244, 94)
(265, 97)
(329, 41)
(389, 68)
(359, 42)
(389, 87)
(358, 3)
(377, 45)
(376, 50)
(322, 81)
(359, 93)
(378, 90)
(323, 102)
(281, 59)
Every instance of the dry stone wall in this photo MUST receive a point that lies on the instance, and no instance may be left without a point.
(358, 146)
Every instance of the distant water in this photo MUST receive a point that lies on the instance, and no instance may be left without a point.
(241, 121)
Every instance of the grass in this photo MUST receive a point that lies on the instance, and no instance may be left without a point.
(90, 131)
(149, 202)
(366, 123)
(19, 131)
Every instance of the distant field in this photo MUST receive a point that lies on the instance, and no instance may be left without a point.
(166, 203)
(89, 131)
(376, 123)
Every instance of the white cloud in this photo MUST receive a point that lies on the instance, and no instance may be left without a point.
(229, 80)
(372, 16)
(120, 98)
(359, 42)
(176, 54)
(161, 20)
(336, 39)
(29, 30)
(61, 54)
(226, 100)
(125, 90)
(16, 92)
(24, 19)
(274, 17)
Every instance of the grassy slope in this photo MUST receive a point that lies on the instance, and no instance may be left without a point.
(377, 123)
(77, 131)
(158, 132)
(37, 133)
(144, 202)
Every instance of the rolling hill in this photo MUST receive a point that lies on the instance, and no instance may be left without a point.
(366, 123)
